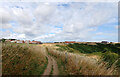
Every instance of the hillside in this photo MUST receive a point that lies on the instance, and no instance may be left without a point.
(19, 59)
(108, 52)
(85, 48)
(53, 59)
(72, 61)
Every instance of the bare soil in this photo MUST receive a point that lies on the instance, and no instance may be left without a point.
(51, 61)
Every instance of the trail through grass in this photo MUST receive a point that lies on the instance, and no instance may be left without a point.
(77, 64)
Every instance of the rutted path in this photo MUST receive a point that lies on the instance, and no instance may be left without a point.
(49, 66)
(51, 61)
(55, 67)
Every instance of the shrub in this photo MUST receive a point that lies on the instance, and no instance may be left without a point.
(110, 57)
(84, 48)
(118, 63)
(3, 40)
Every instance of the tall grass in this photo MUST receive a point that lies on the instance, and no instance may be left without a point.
(20, 59)
(75, 64)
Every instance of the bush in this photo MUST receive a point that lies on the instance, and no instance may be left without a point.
(3, 40)
(110, 57)
(118, 63)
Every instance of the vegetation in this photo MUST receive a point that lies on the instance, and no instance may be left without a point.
(72, 59)
(84, 48)
(110, 57)
(51, 71)
(75, 64)
(20, 59)
(3, 40)
(64, 48)
(108, 52)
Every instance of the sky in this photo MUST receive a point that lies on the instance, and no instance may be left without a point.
(59, 21)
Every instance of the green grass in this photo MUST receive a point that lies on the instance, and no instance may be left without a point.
(63, 48)
(97, 53)
(84, 48)
(61, 67)
(61, 64)
(91, 50)
(40, 70)
(51, 70)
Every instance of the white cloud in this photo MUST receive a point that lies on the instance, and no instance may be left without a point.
(60, 1)
(5, 15)
(67, 21)
(44, 36)
(99, 33)
(6, 26)
(10, 35)
(117, 27)
(21, 36)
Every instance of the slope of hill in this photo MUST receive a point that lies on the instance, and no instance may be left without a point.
(70, 63)
(18, 59)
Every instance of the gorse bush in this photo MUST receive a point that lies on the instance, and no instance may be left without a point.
(84, 48)
(22, 60)
(110, 57)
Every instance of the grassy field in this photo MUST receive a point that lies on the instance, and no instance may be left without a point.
(22, 59)
(108, 52)
(72, 61)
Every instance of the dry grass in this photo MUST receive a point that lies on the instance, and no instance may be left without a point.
(75, 64)
(20, 59)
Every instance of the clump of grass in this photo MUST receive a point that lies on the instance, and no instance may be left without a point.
(75, 64)
(22, 60)
(51, 70)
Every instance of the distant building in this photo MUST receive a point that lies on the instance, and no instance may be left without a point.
(12, 39)
(39, 42)
(70, 42)
(20, 41)
(7, 40)
(28, 41)
(35, 42)
(111, 43)
(104, 42)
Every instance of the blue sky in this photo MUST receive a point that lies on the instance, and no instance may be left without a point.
(60, 21)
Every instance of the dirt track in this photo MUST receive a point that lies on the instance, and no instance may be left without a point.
(51, 61)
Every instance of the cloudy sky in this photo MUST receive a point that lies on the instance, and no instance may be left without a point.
(59, 21)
